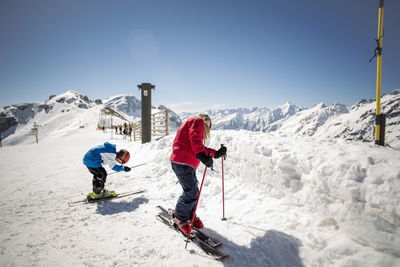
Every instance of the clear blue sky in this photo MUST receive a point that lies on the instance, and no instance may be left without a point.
(199, 54)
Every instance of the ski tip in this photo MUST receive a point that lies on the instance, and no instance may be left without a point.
(223, 258)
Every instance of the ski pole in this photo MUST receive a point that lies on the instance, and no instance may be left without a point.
(223, 193)
(194, 213)
(138, 165)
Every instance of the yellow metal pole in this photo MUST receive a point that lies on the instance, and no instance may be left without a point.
(378, 124)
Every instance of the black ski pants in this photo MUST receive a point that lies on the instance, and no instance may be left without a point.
(99, 178)
(187, 201)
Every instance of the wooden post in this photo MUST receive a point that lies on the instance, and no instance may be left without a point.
(36, 131)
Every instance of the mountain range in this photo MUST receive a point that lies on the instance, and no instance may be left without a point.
(255, 119)
(354, 122)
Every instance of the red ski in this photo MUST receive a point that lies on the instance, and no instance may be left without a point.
(202, 240)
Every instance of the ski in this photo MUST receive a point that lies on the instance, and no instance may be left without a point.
(211, 251)
(207, 248)
(199, 233)
(97, 200)
(201, 240)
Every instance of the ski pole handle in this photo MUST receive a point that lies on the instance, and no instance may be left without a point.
(224, 156)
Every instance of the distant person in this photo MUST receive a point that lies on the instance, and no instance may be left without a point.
(104, 154)
(187, 151)
(124, 132)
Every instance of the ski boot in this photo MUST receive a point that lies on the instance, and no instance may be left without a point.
(103, 194)
(183, 226)
(198, 223)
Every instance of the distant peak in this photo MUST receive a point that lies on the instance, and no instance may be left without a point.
(396, 92)
(71, 97)
(68, 93)
(320, 105)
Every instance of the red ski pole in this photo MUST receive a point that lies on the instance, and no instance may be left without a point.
(223, 193)
(194, 213)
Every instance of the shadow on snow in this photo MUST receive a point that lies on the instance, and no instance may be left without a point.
(110, 207)
(273, 249)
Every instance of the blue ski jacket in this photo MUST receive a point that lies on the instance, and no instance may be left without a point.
(102, 154)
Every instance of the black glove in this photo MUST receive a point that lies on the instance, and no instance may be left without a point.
(127, 169)
(206, 160)
(220, 152)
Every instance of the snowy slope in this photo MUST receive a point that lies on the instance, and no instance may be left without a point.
(49, 116)
(290, 201)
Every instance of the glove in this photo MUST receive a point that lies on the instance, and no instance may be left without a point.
(127, 169)
(220, 152)
(206, 160)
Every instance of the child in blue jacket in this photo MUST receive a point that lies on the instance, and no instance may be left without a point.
(104, 154)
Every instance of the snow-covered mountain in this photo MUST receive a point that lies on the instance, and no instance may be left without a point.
(339, 121)
(65, 110)
(254, 119)
(63, 107)
(128, 104)
(335, 121)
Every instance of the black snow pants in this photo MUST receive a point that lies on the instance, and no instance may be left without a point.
(187, 201)
(99, 178)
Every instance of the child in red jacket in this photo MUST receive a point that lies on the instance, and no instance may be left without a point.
(187, 151)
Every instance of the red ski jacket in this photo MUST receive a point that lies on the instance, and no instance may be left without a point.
(188, 143)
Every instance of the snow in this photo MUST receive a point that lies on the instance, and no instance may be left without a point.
(290, 200)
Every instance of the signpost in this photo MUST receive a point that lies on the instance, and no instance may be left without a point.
(146, 111)
(380, 118)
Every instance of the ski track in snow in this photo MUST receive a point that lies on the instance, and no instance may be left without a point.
(289, 201)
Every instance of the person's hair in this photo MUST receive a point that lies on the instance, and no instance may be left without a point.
(206, 133)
